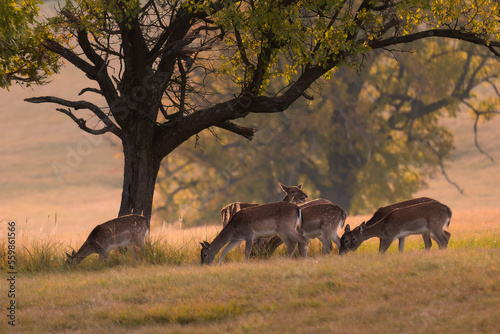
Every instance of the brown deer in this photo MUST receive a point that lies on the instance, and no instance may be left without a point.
(294, 194)
(384, 211)
(279, 218)
(119, 232)
(320, 221)
(426, 218)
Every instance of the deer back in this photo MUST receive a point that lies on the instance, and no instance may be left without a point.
(263, 219)
(415, 218)
(385, 210)
(316, 216)
(230, 210)
(314, 202)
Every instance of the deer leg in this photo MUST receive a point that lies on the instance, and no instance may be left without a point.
(264, 248)
(447, 235)
(271, 245)
(427, 240)
(303, 244)
(248, 248)
(230, 246)
(326, 244)
(258, 248)
(384, 245)
(336, 240)
(441, 238)
(290, 245)
(402, 244)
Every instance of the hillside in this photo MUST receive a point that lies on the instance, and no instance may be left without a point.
(49, 167)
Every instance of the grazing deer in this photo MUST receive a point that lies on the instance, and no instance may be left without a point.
(385, 210)
(110, 235)
(294, 194)
(320, 221)
(267, 220)
(427, 218)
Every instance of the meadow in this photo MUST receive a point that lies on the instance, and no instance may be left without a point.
(164, 289)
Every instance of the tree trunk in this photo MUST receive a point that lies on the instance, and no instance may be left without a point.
(140, 172)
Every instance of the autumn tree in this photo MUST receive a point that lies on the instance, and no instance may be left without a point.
(371, 137)
(142, 58)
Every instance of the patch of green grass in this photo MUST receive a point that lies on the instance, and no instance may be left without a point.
(417, 292)
(47, 254)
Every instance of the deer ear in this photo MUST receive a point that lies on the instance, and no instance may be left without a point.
(284, 188)
(299, 186)
(347, 228)
(362, 227)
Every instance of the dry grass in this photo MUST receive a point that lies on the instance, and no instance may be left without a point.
(416, 292)
(166, 290)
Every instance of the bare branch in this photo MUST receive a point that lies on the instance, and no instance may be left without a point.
(447, 33)
(89, 89)
(82, 124)
(238, 129)
(476, 142)
(110, 125)
(450, 181)
(476, 122)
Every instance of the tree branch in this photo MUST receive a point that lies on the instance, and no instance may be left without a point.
(82, 124)
(237, 129)
(72, 57)
(110, 125)
(447, 33)
(90, 89)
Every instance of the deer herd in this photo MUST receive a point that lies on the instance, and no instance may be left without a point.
(293, 221)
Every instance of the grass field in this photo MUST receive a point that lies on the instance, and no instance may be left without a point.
(165, 289)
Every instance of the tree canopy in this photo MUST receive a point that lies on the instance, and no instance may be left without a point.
(370, 138)
(145, 59)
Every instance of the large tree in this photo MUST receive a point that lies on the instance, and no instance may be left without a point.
(145, 57)
(371, 138)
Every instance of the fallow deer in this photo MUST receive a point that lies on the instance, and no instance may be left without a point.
(426, 218)
(279, 218)
(294, 194)
(385, 210)
(320, 221)
(119, 232)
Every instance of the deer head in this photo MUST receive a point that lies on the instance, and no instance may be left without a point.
(294, 194)
(72, 259)
(350, 240)
(206, 256)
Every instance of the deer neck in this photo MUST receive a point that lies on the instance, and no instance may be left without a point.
(221, 239)
(371, 231)
(84, 251)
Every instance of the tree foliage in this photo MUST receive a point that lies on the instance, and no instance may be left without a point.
(370, 139)
(144, 60)
(22, 57)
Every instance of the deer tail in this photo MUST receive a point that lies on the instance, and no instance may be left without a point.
(449, 217)
(300, 220)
